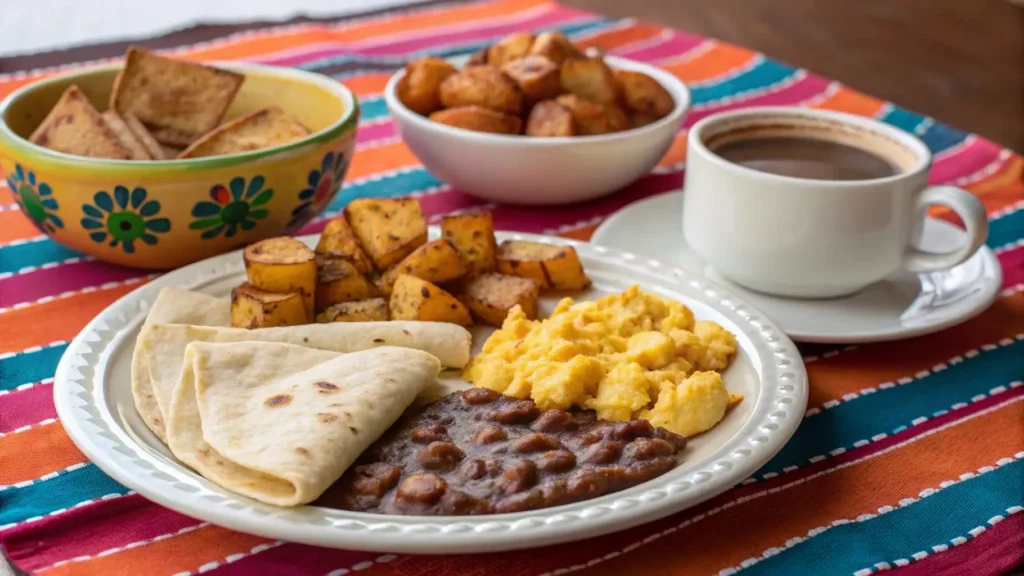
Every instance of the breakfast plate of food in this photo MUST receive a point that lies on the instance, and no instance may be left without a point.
(392, 386)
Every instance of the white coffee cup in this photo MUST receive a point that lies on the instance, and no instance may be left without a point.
(814, 238)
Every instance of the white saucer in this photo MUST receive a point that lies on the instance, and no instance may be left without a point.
(901, 306)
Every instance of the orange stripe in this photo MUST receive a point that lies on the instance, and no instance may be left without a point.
(15, 226)
(381, 159)
(617, 37)
(36, 452)
(59, 319)
(718, 60)
(183, 553)
(676, 153)
(1007, 183)
(848, 100)
(367, 85)
(583, 233)
(870, 365)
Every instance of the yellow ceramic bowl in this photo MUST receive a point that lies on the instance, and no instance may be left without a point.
(164, 214)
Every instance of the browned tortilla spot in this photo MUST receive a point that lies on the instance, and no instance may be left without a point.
(326, 387)
(354, 429)
(302, 451)
(278, 401)
(325, 417)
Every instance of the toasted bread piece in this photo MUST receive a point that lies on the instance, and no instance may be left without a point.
(509, 48)
(125, 135)
(255, 131)
(74, 126)
(643, 94)
(550, 119)
(592, 79)
(555, 47)
(589, 118)
(155, 149)
(420, 88)
(181, 101)
(537, 77)
(485, 86)
(171, 151)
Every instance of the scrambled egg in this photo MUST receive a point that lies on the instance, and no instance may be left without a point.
(629, 355)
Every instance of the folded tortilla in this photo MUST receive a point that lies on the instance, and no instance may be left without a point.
(280, 423)
(160, 347)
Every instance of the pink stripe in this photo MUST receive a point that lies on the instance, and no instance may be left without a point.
(37, 284)
(377, 131)
(89, 530)
(801, 90)
(1012, 262)
(527, 219)
(675, 45)
(20, 408)
(997, 551)
(295, 560)
(967, 161)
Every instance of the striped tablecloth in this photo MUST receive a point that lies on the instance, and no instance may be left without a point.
(911, 456)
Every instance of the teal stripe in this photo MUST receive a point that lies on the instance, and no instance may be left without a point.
(940, 137)
(902, 118)
(64, 491)
(886, 410)
(399, 184)
(446, 50)
(18, 256)
(1005, 230)
(29, 367)
(765, 73)
(950, 513)
(372, 108)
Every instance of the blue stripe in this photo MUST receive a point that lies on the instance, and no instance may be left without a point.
(886, 410)
(372, 108)
(950, 513)
(18, 256)
(400, 184)
(1007, 229)
(446, 50)
(902, 118)
(765, 73)
(29, 367)
(939, 137)
(64, 491)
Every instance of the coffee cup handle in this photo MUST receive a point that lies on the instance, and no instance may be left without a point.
(969, 209)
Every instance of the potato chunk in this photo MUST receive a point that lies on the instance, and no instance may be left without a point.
(555, 47)
(479, 119)
(509, 48)
(549, 119)
(255, 308)
(550, 266)
(638, 119)
(537, 77)
(436, 262)
(589, 118)
(388, 229)
(339, 241)
(490, 296)
(416, 299)
(478, 58)
(420, 88)
(472, 234)
(369, 310)
(643, 94)
(283, 265)
(483, 86)
(590, 78)
(338, 281)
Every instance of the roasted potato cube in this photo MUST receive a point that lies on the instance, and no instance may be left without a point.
(589, 118)
(590, 78)
(549, 265)
(490, 296)
(509, 48)
(283, 265)
(483, 86)
(436, 262)
(339, 281)
(369, 310)
(555, 47)
(388, 229)
(537, 77)
(255, 308)
(478, 58)
(479, 119)
(472, 234)
(420, 88)
(416, 299)
(638, 119)
(643, 94)
(339, 241)
(548, 119)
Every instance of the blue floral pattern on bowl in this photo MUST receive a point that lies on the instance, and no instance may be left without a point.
(35, 199)
(233, 208)
(126, 218)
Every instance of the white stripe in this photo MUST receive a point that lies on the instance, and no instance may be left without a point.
(40, 424)
(992, 167)
(691, 54)
(117, 549)
(44, 477)
(738, 97)
(965, 143)
(29, 240)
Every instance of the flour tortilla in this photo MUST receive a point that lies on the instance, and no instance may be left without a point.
(172, 306)
(280, 423)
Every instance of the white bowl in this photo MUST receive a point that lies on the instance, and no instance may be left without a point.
(540, 171)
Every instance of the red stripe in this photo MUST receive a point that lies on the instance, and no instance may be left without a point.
(1012, 262)
(675, 45)
(26, 407)
(295, 560)
(996, 551)
(376, 131)
(89, 530)
(32, 286)
(969, 160)
(801, 90)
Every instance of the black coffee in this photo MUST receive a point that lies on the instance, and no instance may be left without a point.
(807, 158)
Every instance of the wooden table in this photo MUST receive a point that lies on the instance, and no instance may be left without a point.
(959, 61)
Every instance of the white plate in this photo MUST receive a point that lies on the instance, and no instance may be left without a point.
(901, 306)
(92, 393)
